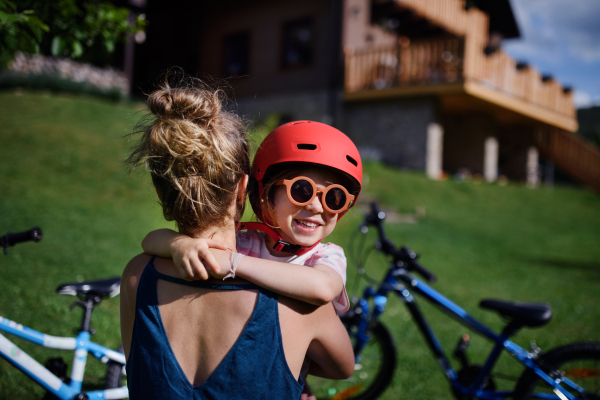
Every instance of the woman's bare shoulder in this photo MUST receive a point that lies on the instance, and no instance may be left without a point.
(302, 311)
(133, 272)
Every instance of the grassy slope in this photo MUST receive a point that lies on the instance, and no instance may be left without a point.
(60, 162)
(61, 167)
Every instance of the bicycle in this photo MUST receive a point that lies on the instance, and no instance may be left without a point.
(552, 375)
(52, 375)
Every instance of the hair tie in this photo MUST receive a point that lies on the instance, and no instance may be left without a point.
(235, 259)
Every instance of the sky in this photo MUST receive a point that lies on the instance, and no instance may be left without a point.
(561, 38)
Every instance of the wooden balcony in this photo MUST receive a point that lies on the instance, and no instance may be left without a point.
(437, 66)
(418, 63)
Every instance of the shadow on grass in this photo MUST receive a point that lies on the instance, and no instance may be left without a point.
(593, 268)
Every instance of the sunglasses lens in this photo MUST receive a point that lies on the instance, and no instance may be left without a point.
(301, 191)
(335, 199)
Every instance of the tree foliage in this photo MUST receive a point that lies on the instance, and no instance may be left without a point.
(19, 31)
(86, 30)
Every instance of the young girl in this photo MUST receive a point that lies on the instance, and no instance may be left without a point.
(306, 175)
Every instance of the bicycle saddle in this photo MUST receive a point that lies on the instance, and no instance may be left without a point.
(106, 287)
(524, 314)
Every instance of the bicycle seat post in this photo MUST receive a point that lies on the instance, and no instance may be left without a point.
(88, 307)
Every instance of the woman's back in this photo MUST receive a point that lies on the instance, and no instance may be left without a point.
(192, 342)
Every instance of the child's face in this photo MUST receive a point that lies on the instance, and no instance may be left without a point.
(305, 225)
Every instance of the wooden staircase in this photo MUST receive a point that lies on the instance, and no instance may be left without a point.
(571, 153)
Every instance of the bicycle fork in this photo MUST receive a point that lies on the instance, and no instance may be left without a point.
(368, 318)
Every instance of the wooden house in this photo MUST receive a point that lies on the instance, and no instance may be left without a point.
(420, 84)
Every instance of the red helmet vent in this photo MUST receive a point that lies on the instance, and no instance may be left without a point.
(307, 146)
(352, 160)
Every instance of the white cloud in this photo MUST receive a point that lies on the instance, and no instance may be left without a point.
(584, 100)
(554, 29)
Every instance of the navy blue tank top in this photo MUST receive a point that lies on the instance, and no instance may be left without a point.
(254, 368)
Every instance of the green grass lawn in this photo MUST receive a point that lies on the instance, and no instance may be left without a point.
(61, 167)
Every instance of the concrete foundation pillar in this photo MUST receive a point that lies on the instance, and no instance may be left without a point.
(533, 173)
(435, 139)
(490, 159)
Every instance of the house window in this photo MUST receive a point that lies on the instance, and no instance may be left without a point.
(237, 54)
(298, 43)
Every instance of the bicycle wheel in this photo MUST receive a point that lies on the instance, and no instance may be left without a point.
(114, 373)
(372, 374)
(580, 362)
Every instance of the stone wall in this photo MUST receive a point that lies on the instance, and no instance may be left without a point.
(394, 129)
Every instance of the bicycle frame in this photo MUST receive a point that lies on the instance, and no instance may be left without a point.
(80, 344)
(391, 284)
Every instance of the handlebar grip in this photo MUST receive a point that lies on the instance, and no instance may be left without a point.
(424, 272)
(34, 234)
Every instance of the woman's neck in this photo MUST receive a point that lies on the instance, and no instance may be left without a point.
(224, 234)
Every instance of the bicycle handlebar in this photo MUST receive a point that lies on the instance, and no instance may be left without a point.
(10, 239)
(386, 246)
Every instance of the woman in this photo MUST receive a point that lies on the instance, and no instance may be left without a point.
(204, 339)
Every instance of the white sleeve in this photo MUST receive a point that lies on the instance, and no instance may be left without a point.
(333, 256)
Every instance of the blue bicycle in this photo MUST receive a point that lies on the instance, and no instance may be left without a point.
(52, 376)
(567, 372)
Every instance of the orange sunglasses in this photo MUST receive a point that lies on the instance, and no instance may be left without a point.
(302, 190)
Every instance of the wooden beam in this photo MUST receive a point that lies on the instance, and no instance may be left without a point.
(404, 91)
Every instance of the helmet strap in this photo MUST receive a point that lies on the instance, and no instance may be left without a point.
(260, 188)
(280, 244)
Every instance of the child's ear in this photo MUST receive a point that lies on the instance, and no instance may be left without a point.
(241, 189)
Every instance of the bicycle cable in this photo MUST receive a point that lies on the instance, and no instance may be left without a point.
(360, 256)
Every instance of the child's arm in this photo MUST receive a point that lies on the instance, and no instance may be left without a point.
(191, 256)
(317, 285)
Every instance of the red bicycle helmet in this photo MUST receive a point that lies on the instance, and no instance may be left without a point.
(307, 142)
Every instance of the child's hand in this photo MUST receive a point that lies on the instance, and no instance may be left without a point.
(193, 258)
(222, 259)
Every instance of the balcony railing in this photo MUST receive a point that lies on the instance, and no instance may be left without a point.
(503, 74)
(426, 62)
(431, 62)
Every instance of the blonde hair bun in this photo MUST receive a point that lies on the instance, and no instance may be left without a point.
(195, 150)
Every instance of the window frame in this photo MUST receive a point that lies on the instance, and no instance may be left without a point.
(248, 34)
(312, 42)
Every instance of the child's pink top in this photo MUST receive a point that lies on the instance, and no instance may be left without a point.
(252, 243)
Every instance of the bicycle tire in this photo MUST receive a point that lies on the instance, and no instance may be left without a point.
(579, 362)
(372, 376)
(114, 373)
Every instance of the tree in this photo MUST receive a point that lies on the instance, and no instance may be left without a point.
(19, 31)
(85, 30)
